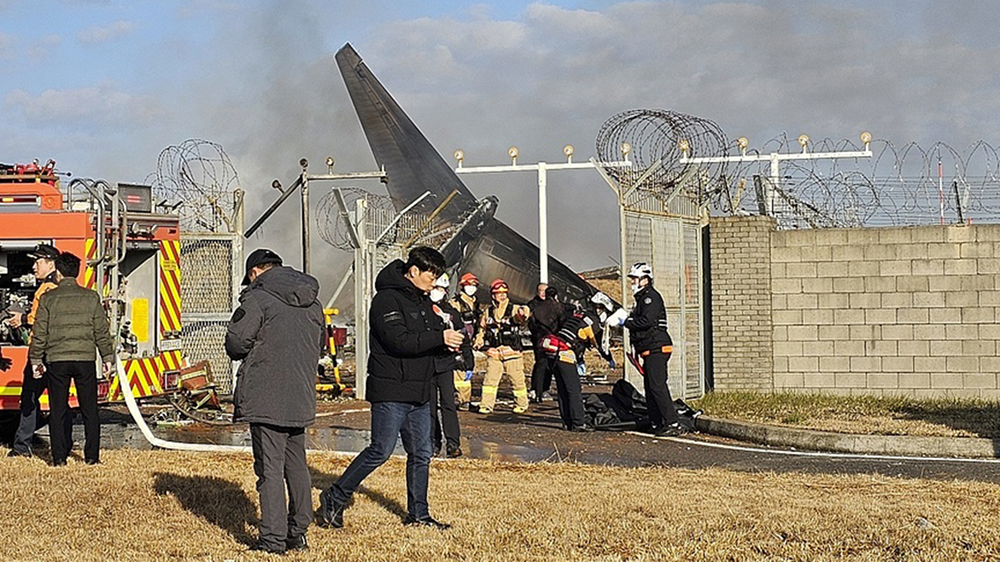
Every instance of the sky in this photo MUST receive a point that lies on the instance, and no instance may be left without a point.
(103, 86)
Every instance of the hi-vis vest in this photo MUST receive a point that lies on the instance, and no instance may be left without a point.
(503, 331)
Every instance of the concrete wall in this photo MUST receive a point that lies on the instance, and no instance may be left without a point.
(862, 311)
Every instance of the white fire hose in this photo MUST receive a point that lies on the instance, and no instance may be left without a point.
(133, 408)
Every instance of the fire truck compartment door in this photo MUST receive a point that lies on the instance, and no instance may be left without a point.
(140, 272)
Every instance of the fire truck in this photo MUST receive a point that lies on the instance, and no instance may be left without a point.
(131, 253)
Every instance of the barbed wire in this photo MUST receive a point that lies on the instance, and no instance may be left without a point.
(896, 186)
(653, 141)
(412, 228)
(198, 176)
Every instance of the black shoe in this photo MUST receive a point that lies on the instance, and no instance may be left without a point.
(331, 513)
(92, 461)
(585, 428)
(270, 549)
(671, 430)
(59, 463)
(426, 522)
(296, 543)
(16, 453)
(454, 453)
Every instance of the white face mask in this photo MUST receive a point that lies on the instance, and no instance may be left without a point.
(437, 294)
(469, 290)
(636, 287)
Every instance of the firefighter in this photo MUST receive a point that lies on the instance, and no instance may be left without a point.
(446, 365)
(500, 337)
(647, 326)
(32, 388)
(467, 304)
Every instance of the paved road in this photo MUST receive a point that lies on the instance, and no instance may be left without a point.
(536, 437)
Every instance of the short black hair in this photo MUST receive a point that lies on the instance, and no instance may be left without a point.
(426, 259)
(551, 292)
(67, 264)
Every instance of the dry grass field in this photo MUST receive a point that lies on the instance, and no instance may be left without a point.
(871, 415)
(186, 506)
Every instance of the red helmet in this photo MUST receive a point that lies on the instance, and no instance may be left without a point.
(499, 285)
(468, 279)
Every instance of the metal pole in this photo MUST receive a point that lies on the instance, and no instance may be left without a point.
(305, 223)
(543, 227)
(772, 186)
(362, 281)
(630, 373)
(340, 288)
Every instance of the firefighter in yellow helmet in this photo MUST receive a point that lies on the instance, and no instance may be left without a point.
(500, 337)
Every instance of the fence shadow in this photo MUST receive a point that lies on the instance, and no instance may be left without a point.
(220, 502)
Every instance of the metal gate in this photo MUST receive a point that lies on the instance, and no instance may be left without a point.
(382, 236)
(668, 237)
(210, 275)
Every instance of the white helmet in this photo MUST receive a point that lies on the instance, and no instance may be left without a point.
(442, 281)
(601, 299)
(641, 270)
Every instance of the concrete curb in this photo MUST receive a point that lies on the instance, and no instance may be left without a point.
(893, 445)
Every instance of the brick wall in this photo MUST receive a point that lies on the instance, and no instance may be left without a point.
(741, 302)
(871, 311)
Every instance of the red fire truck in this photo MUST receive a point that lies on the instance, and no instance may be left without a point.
(132, 258)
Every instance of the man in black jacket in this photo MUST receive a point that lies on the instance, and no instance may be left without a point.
(647, 326)
(405, 337)
(559, 330)
(541, 376)
(277, 332)
(446, 364)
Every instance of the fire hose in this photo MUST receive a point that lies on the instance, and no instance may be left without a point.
(133, 409)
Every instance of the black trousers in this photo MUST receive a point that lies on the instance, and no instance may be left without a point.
(541, 373)
(279, 459)
(30, 419)
(84, 374)
(569, 392)
(659, 404)
(444, 403)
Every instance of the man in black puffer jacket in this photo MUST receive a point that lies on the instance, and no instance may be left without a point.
(277, 332)
(405, 338)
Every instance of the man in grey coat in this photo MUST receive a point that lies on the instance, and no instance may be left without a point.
(277, 332)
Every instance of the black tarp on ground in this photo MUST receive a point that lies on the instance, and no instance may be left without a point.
(625, 409)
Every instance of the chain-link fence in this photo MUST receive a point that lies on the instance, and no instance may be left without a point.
(383, 238)
(672, 246)
(209, 287)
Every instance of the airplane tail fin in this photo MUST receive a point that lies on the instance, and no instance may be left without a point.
(412, 163)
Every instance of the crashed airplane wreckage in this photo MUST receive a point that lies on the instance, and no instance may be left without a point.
(481, 243)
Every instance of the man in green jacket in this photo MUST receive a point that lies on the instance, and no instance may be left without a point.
(70, 325)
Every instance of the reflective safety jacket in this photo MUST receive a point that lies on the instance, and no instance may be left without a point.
(468, 311)
(499, 328)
